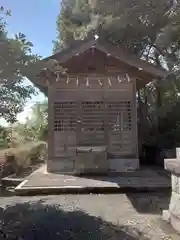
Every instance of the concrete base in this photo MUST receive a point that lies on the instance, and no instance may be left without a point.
(94, 161)
(76, 165)
(61, 165)
(166, 216)
(143, 180)
(173, 213)
(123, 164)
(175, 222)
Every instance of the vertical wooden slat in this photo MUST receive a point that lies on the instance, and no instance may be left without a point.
(65, 119)
(120, 94)
(50, 122)
(79, 116)
(106, 123)
(120, 139)
(134, 120)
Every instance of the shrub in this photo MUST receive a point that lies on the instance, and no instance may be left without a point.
(3, 137)
(25, 155)
(38, 152)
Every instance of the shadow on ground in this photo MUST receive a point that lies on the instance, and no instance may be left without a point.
(31, 221)
(152, 203)
(141, 175)
(6, 193)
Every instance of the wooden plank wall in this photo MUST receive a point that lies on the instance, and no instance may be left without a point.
(78, 110)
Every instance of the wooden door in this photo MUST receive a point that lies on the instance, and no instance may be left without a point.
(120, 127)
(65, 128)
(92, 129)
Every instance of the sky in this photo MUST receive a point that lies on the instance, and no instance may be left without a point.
(37, 20)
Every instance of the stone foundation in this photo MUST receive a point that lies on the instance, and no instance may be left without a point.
(123, 164)
(93, 163)
(61, 165)
(91, 160)
(173, 213)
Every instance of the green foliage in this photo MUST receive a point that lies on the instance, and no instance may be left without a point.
(34, 129)
(38, 121)
(149, 29)
(16, 62)
(3, 137)
(131, 24)
(25, 141)
(19, 135)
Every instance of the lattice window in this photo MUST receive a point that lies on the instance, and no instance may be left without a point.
(120, 116)
(120, 119)
(92, 122)
(93, 116)
(64, 116)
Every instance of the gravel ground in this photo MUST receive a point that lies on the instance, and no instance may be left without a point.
(115, 216)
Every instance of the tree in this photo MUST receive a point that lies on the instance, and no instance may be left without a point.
(16, 59)
(132, 24)
(38, 121)
(149, 29)
(35, 127)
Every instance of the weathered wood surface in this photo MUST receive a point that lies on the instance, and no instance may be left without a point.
(95, 118)
(93, 111)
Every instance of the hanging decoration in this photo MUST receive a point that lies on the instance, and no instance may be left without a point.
(100, 83)
(128, 78)
(77, 81)
(87, 82)
(109, 81)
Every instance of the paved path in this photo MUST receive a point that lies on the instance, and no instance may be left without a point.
(145, 178)
(115, 217)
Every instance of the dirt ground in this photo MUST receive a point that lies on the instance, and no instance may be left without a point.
(114, 216)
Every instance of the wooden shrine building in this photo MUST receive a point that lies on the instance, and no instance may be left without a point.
(92, 108)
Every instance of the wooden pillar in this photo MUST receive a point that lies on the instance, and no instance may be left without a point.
(79, 102)
(134, 119)
(50, 123)
(158, 104)
(106, 122)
